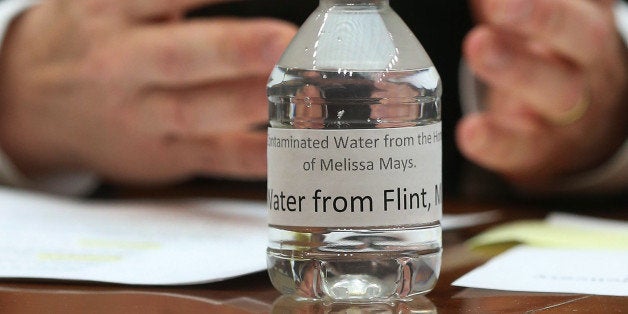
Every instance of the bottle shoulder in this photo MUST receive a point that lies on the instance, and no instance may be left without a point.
(355, 40)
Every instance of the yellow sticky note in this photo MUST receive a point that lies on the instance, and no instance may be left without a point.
(543, 234)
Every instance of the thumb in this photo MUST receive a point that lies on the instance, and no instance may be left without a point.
(516, 152)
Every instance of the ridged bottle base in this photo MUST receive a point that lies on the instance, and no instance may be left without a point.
(358, 273)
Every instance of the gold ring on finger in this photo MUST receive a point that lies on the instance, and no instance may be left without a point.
(576, 112)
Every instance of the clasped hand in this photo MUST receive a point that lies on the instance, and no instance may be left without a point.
(556, 72)
(132, 91)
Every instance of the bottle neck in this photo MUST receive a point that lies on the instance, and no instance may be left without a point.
(354, 2)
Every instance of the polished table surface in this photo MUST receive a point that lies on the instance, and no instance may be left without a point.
(255, 294)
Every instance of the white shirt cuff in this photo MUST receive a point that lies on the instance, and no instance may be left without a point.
(9, 9)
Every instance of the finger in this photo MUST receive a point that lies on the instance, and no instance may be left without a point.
(237, 155)
(511, 111)
(575, 29)
(514, 153)
(200, 112)
(240, 155)
(138, 159)
(550, 86)
(159, 8)
(194, 52)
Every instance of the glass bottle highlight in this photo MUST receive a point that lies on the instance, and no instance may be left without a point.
(354, 158)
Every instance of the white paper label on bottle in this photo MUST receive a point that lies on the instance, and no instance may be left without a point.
(355, 178)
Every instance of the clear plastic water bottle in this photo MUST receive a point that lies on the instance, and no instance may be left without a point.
(354, 158)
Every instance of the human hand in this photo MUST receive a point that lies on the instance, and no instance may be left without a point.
(132, 91)
(556, 72)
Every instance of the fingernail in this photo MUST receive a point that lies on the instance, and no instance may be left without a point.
(476, 137)
(512, 11)
(479, 138)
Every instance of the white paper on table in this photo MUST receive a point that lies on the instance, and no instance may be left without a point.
(138, 242)
(144, 243)
(531, 269)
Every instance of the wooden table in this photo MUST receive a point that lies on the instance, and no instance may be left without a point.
(254, 293)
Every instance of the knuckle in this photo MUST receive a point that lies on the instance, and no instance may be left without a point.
(101, 65)
(170, 61)
(182, 117)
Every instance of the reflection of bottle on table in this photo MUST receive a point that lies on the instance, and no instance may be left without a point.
(285, 304)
